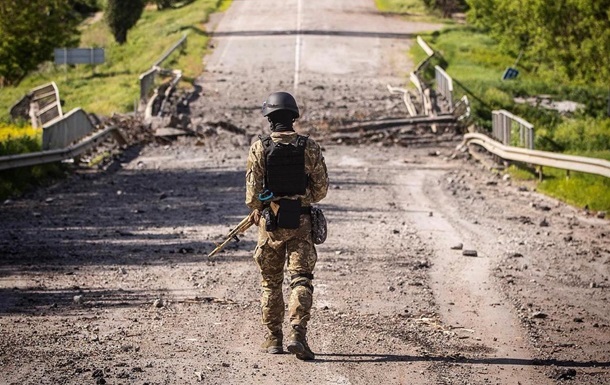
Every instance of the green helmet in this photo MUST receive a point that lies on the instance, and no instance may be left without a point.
(280, 101)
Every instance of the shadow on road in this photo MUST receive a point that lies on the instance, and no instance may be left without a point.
(316, 32)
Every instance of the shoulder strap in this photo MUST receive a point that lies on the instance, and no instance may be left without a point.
(266, 140)
(302, 141)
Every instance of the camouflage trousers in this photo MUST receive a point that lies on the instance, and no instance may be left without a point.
(295, 249)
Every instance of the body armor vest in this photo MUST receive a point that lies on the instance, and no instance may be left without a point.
(285, 166)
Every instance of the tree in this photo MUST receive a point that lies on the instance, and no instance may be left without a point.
(29, 32)
(163, 4)
(571, 38)
(122, 15)
(447, 7)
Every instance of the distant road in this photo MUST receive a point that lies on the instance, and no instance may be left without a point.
(303, 46)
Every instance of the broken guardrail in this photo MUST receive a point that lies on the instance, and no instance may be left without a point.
(51, 156)
(540, 158)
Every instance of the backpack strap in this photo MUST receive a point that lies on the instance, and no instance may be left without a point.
(266, 140)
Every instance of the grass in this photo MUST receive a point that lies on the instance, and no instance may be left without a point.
(113, 86)
(403, 7)
(476, 64)
(109, 87)
(575, 188)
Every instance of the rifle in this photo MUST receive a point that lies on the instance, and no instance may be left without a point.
(240, 228)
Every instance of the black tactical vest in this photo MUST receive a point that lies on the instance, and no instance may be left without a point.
(285, 166)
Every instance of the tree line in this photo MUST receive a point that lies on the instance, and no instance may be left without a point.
(30, 30)
(571, 38)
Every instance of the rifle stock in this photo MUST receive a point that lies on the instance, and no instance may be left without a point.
(240, 228)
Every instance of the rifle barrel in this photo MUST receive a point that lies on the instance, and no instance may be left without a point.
(240, 228)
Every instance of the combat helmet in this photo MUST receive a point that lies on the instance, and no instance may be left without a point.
(280, 101)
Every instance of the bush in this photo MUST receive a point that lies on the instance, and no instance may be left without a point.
(19, 139)
(586, 135)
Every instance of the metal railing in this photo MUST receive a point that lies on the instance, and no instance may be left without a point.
(406, 97)
(73, 151)
(40, 105)
(148, 78)
(179, 43)
(147, 82)
(429, 51)
(65, 130)
(503, 129)
(540, 158)
(444, 85)
(461, 110)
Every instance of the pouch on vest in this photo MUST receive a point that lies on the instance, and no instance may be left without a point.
(270, 219)
(289, 215)
(319, 229)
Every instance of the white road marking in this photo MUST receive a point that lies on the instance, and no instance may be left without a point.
(297, 51)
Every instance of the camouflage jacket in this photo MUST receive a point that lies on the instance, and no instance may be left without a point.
(315, 168)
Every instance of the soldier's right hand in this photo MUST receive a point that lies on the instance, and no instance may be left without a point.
(255, 217)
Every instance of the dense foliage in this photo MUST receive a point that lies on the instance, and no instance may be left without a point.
(447, 7)
(122, 15)
(570, 38)
(29, 32)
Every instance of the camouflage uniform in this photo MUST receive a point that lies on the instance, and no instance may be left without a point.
(293, 247)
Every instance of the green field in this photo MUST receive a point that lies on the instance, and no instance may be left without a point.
(113, 86)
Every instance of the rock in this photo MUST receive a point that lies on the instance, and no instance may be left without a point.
(544, 223)
(601, 214)
(515, 255)
(171, 132)
(78, 299)
(470, 253)
(459, 246)
(159, 303)
(539, 315)
(578, 320)
(564, 374)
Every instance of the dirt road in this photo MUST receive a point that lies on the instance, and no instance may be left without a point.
(104, 277)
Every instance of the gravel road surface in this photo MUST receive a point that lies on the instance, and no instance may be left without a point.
(437, 270)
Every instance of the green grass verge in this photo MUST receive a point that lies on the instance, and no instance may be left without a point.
(113, 86)
(402, 7)
(109, 87)
(576, 188)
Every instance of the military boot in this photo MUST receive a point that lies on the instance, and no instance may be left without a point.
(273, 343)
(297, 344)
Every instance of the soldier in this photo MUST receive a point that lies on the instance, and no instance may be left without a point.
(285, 174)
